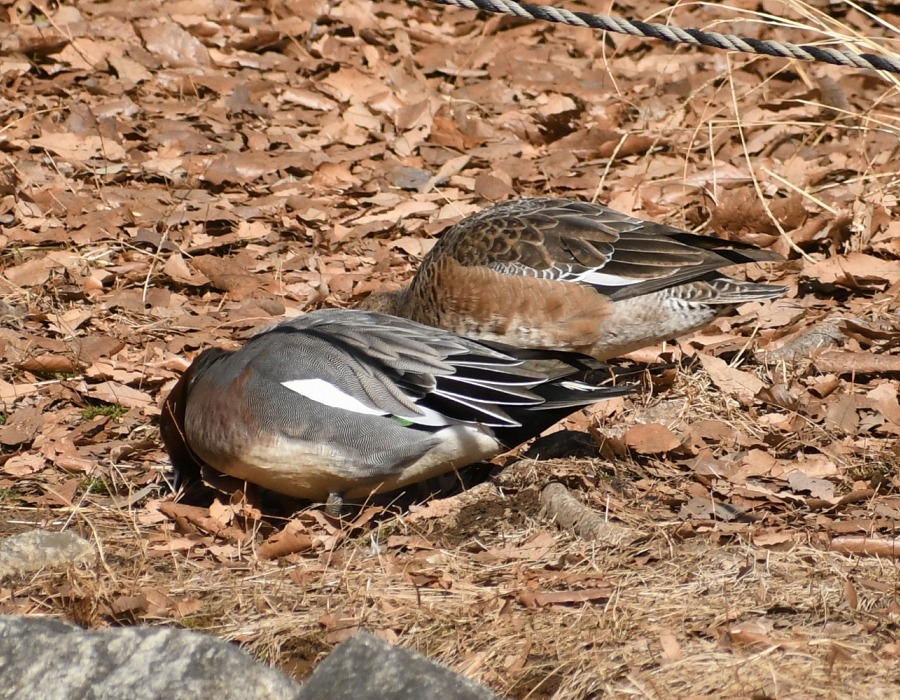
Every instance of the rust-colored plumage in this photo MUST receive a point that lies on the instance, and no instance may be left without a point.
(567, 275)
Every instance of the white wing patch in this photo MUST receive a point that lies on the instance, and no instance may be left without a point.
(322, 392)
(577, 386)
(602, 279)
(566, 273)
(431, 418)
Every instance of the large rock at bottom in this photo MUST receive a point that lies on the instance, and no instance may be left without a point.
(45, 659)
(365, 668)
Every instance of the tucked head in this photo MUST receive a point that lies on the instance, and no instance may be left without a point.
(391, 302)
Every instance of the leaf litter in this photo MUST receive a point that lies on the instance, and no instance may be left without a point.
(180, 175)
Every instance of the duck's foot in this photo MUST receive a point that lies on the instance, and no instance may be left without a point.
(334, 505)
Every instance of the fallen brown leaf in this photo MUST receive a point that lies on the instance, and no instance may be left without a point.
(651, 438)
(742, 385)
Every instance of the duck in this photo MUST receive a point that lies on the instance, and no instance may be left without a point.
(343, 404)
(548, 273)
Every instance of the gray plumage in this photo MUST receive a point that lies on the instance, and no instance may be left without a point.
(341, 401)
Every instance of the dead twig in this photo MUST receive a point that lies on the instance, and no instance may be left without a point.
(187, 516)
(841, 362)
(803, 344)
(869, 546)
(559, 505)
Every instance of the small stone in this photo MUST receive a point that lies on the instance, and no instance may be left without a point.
(42, 549)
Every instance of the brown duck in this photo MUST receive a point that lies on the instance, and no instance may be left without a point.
(574, 276)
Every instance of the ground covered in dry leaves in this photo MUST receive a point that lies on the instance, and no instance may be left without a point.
(178, 174)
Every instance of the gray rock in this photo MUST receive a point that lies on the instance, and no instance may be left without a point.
(365, 668)
(45, 659)
(42, 549)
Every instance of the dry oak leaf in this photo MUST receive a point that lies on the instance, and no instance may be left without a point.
(94, 347)
(854, 270)
(129, 71)
(742, 385)
(753, 634)
(774, 540)
(32, 273)
(115, 393)
(226, 275)
(48, 363)
(671, 649)
(884, 399)
(651, 438)
(10, 393)
(350, 85)
(241, 168)
(80, 147)
(23, 464)
(173, 45)
(817, 488)
(177, 270)
(22, 426)
(538, 547)
(292, 539)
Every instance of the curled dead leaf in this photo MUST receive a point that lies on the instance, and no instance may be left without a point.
(540, 599)
(48, 364)
(288, 541)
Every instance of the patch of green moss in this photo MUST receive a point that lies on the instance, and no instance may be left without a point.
(8, 495)
(96, 484)
(106, 409)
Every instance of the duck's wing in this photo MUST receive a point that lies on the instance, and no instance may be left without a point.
(619, 255)
(384, 365)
